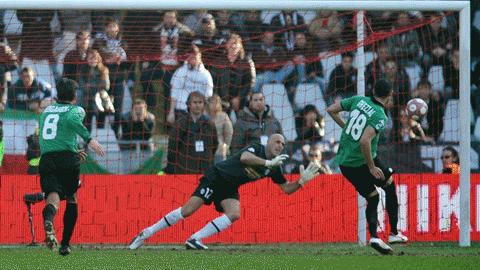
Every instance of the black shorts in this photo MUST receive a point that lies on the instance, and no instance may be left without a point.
(213, 188)
(363, 181)
(60, 173)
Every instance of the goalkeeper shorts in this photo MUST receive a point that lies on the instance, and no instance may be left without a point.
(213, 188)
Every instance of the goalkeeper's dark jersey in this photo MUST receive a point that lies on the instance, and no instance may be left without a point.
(59, 125)
(235, 172)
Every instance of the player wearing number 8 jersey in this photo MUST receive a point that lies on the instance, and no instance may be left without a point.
(220, 185)
(60, 160)
(357, 157)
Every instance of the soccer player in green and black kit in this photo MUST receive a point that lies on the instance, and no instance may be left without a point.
(357, 157)
(60, 160)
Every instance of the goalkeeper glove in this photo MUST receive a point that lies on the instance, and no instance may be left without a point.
(308, 174)
(104, 102)
(277, 161)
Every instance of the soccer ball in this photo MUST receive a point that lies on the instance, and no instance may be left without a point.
(417, 107)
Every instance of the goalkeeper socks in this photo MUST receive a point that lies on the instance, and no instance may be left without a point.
(391, 203)
(49, 212)
(215, 226)
(69, 221)
(371, 214)
(167, 221)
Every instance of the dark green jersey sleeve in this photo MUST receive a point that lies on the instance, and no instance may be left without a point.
(348, 102)
(78, 114)
(377, 122)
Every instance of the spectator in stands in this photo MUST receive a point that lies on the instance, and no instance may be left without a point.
(410, 130)
(286, 24)
(404, 46)
(76, 58)
(8, 63)
(380, 20)
(191, 77)
(452, 76)
(398, 78)
(169, 32)
(310, 125)
(223, 126)
(326, 29)
(271, 62)
(252, 27)
(209, 40)
(101, 17)
(138, 125)
(450, 160)
(343, 80)
(377, 67)
(308, 69)
(37, 36)
(226, 26)
(234, 73)
(315, 155)
(110, 47)
(37, 43)
(141, 39)
(436, 42)
(72, 22)
(28, 92)
(192, 142)
(93, 78)
(194, 21)
(433, 124)
(255, 123)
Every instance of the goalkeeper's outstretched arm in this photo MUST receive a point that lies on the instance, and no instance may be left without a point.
(306, 175)
(251, 159)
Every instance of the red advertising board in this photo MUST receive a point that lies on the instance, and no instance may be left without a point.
(112, 209)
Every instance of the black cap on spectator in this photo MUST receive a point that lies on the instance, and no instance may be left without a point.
(66, 89)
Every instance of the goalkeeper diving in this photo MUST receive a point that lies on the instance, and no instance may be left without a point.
(220, 184)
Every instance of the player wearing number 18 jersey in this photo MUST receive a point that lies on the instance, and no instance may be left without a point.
(60, 160)
(357, 157)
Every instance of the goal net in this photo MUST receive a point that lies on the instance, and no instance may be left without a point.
(301, 61)
(174, 91)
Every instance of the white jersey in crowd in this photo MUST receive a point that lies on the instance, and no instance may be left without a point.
(186, 80)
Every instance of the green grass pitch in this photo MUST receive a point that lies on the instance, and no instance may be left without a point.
(282, 256)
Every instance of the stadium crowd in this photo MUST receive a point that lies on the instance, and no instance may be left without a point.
(202, 74)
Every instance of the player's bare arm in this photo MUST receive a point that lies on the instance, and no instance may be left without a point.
(97, 147)
(334, 111)
(365, 146)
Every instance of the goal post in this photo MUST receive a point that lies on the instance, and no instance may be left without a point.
(464, 125)
(463, 7)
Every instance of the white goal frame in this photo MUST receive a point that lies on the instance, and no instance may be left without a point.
(427, 5)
